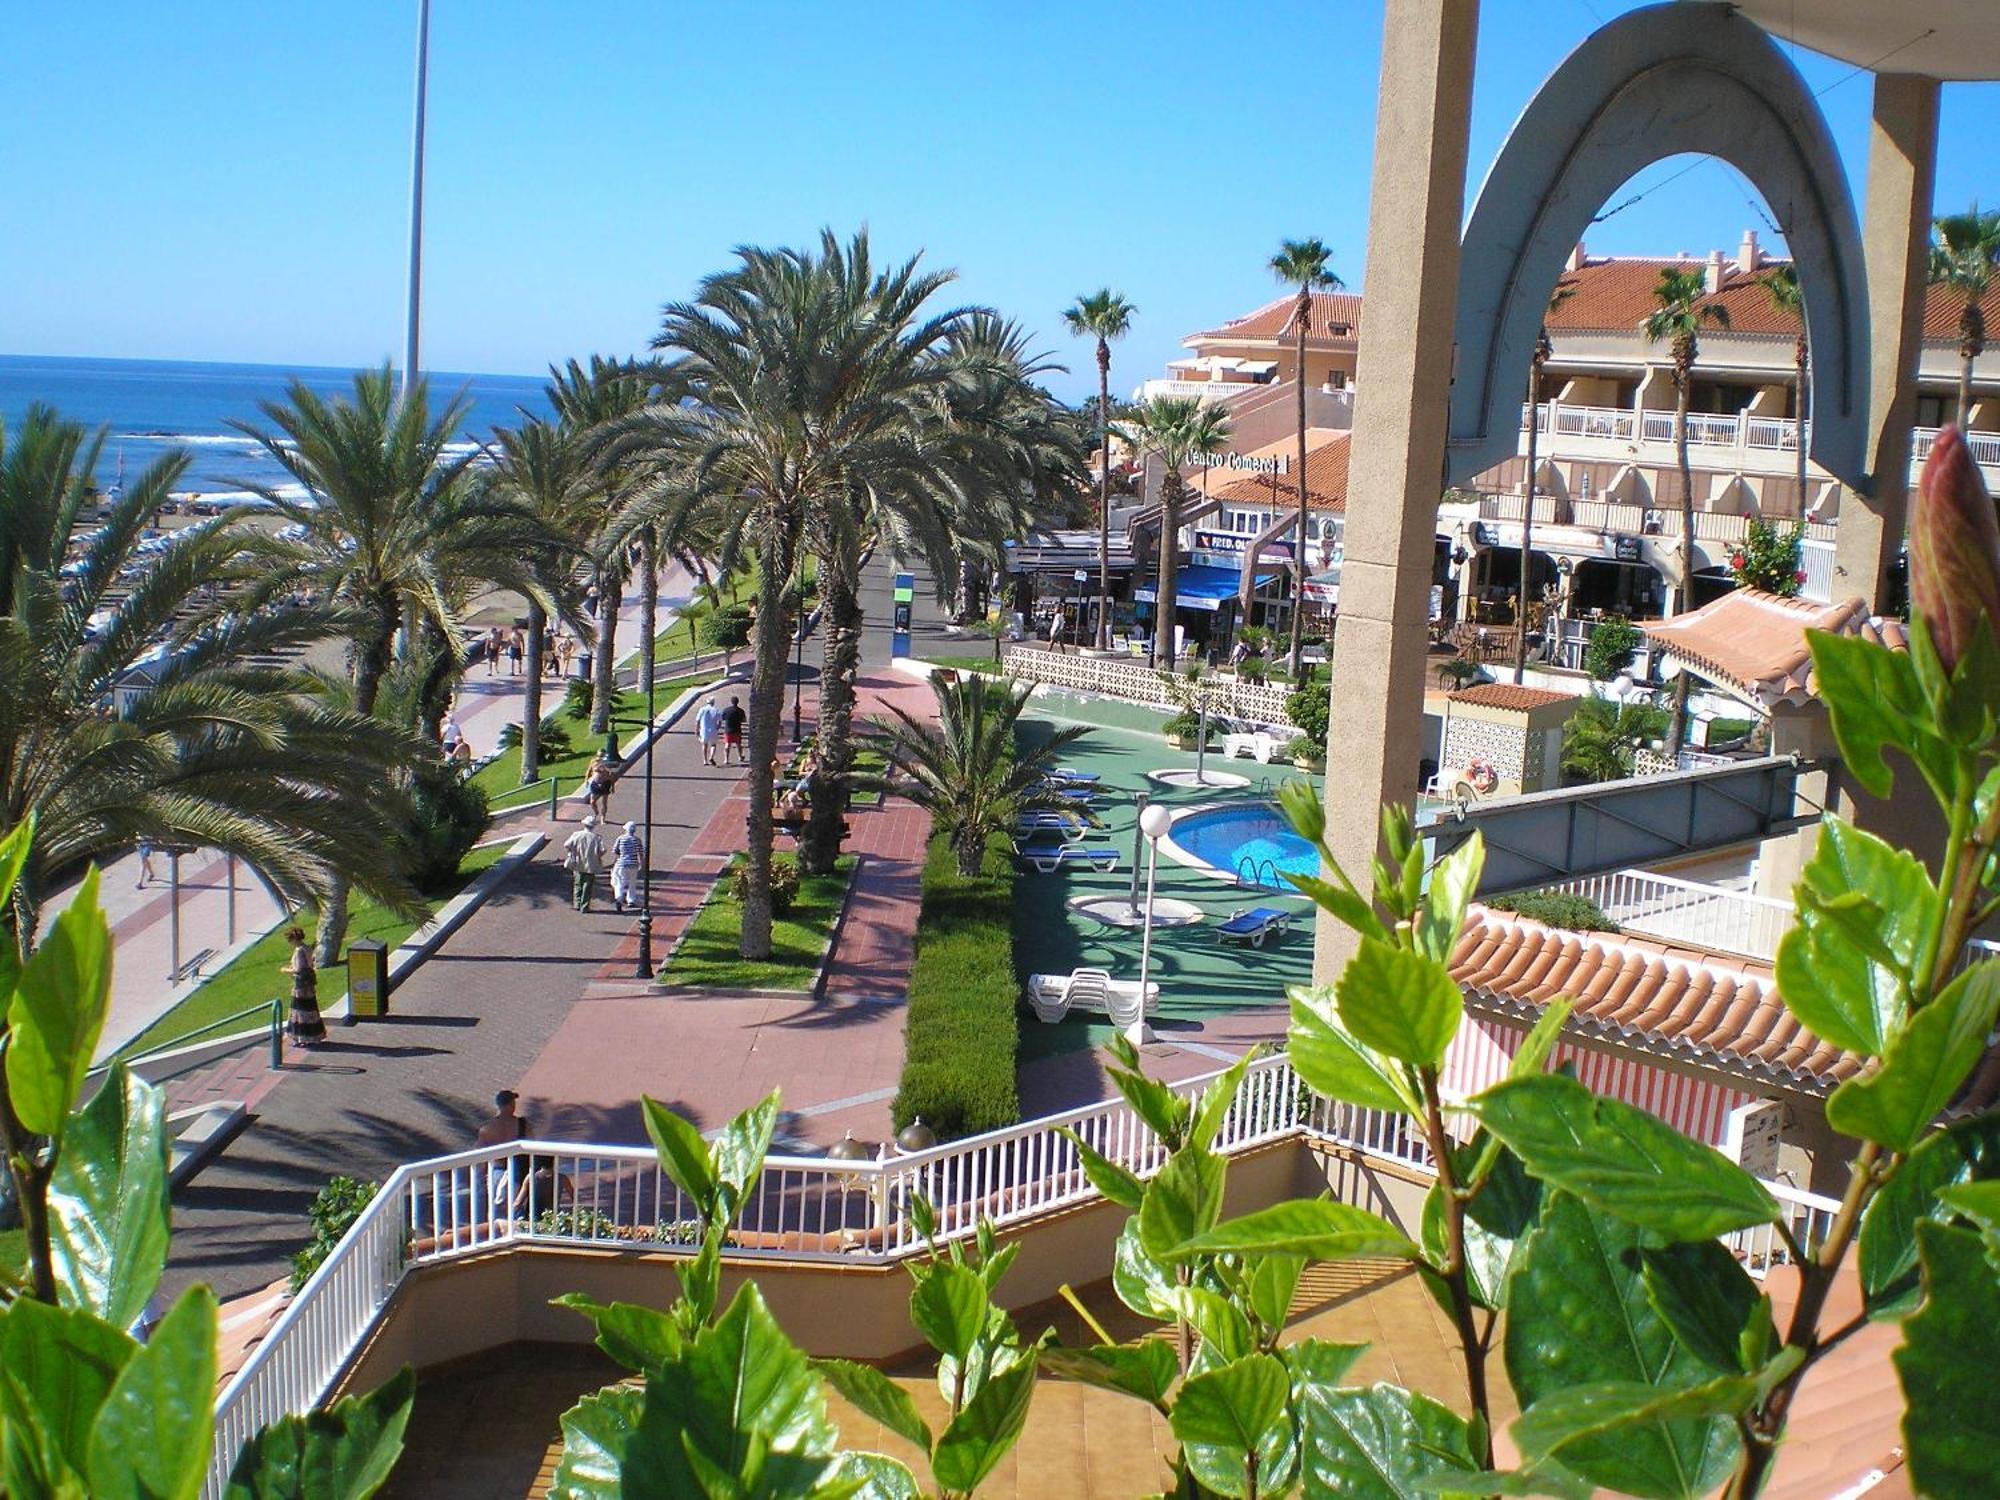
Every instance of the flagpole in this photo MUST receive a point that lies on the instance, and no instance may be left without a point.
(417, 195)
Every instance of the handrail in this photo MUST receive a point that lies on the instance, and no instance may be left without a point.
(555, 794)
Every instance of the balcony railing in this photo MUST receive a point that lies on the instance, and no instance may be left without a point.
(1617, 516)
(1205, 390)
(1686, 911)
(1715, 430)
(1985, 446)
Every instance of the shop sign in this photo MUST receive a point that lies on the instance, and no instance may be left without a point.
(1244, 463)
(1625, 548)
(1234, 544)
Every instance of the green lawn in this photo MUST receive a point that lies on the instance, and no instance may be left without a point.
(681, 640)
(707, 957)
(502, 778)
(983, 662)
(252, 978)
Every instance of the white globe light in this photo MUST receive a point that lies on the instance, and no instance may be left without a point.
(1155, 821)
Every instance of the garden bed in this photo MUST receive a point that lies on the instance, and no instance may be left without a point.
(707, 955)
(500, 778)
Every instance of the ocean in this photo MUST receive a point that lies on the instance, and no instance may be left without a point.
(149, 407)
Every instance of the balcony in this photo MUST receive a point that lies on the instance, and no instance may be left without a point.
(1200, 390)
(1687, 912)
(1617, 516)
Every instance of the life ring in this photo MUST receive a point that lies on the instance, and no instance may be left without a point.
(1481, 777)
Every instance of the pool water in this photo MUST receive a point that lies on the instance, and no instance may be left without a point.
(1228, 837)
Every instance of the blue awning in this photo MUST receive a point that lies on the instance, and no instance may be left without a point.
(1203, 586)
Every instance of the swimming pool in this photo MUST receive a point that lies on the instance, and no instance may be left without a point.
(1253, 842)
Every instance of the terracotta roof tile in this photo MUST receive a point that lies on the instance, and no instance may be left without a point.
(1326, 480)
(1679, 1003)
(1330, 310)
(1507, 695)
(1616, 294)
(1754, 643)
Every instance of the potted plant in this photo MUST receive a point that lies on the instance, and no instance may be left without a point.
(1309, 706)
(1184, 729)
(1307, 754)
(1252, 669)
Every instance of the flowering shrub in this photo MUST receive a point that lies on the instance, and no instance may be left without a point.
(1768, 559)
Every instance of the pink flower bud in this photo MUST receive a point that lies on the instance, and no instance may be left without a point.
(1954, 549)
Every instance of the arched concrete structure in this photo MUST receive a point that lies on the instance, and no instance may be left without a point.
(1671, 78)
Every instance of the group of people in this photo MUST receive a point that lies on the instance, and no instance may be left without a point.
(586, 854)
(720, 731)
(559, 652)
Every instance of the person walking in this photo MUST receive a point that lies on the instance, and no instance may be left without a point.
(146, 870)
(514, 650)
(1058, 623)
(493, 647)
(583, 857)
(305, 1026)
(708, 729)
(603, 777)
(733, 720)
(628, 852)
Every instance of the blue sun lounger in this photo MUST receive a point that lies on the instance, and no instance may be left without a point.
(1049, 858)
(1254, 925)
(1064, 776)
(1066, 826)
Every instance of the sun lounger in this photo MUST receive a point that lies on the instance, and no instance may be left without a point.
(1049, 858)
(1065, 826)
(1254, 925)
(1258, 745)
(1064, 776)
(1054, 996)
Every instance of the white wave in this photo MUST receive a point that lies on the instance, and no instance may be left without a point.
(190, 439)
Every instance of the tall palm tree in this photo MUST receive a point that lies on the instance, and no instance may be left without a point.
(1302, 263)
(1964, 257)
(1682, 306)
(389, 529)
(542, 468)
(1543, 352)
(590, 401)
(227, 748)
(967, 770)
(1104, 316)
(1788, 299)
(1179, 430)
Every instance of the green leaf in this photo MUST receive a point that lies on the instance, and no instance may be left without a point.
(57, 1013)
(1316, 1228)
(743, 1377)
(1497, 1220)
(1547, 1480)
(741, 1145)
(1215, 1102)
(1865, 910)
(1333, 1063)
(1141, 1282)
(344, 1452)
(1924, 1067)
(108, 1201)
(1183, 1200)
(1375, 1443)
(1349, 908)
(682, 1152)
(1223, 1329)
(1233, 1422)
(1875, 703)
(1165, 1112)
(64, 1362)
(1951, 1402)
(31, 1463)
(1319, 1362)
(1977, 1201)
(1578, 1315)
(13, 855)
(868, 1476)
(1540, 1043)
(1146, 1369)
(639, 1338)
(1968, 1152)
(1622, 1159)
(1453, 881)
(1705, 1296)
(1400, 1003)
(1270, 1280)
(949, 1306)
(1552, 1424)
(875, 1395)
(1110, 1179)
(596, 1432)
(989, 1426)
(152, 1435)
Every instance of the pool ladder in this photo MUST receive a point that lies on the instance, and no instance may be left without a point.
(1249, 872)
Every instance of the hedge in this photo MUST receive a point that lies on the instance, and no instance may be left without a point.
(962, 1032)
(1561, 909)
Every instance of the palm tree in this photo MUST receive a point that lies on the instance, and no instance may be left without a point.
(1789, 301)
(227, 747)
(590, 402)
(1683, 306)
(1543, 352)
(1601, 737)
(1104, 316)
(966, 770)
(1964, 257)
(541, 467)
(1302, 263)
(391, 531)
(1180, 430)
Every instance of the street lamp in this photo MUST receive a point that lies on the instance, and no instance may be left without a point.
(1153, 823)
(799, 677)
(644, 968)
(410, 350)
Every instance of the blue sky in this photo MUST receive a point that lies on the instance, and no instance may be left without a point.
(228, 180)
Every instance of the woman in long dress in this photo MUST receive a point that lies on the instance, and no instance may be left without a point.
(305, 1026)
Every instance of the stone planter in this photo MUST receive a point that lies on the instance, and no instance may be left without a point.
(1312, 764)
(1178, 742)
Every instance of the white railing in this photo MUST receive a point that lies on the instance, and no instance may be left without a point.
(1201, 390)
(1622, 518)
(617, 1197)
(1135, 682)
(1807, 1215)
(1686, 911)
(1985, 446)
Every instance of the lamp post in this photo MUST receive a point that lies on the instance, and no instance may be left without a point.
(644, 968)
(1153, 823)
(799, 677)
(417, 194)
(1138, 834)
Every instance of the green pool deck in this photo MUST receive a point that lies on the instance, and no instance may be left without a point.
(1212, 996)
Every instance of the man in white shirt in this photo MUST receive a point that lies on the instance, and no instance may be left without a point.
(583, 857)
(708, 729)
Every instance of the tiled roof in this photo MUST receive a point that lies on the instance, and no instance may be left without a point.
(1615, 295)
(1507, 695)
(1274, 319)
(1681, 1004)
(1326, 479)
(1754, 643)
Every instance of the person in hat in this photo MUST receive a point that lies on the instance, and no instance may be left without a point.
(708, 729)
(583, 857)
(628, 852)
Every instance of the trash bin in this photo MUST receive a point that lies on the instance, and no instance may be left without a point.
(367, 979)
(580, 670)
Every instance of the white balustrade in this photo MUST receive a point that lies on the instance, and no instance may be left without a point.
(1686, 911)
(1135, 682)
(1985, 446)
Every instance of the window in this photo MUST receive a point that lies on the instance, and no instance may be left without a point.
(1931, 410)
